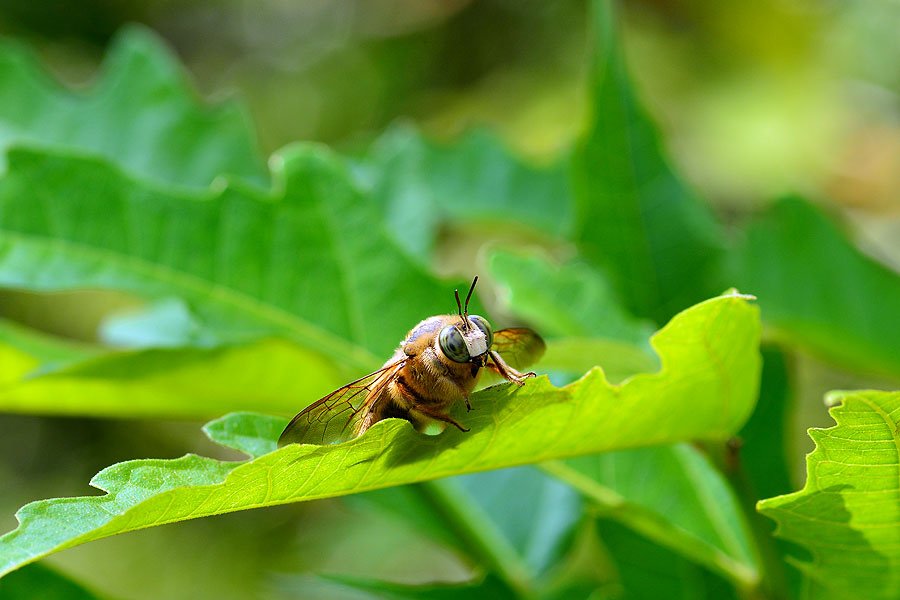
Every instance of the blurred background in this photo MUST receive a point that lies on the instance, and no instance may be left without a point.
(753, 101)
(782, 96)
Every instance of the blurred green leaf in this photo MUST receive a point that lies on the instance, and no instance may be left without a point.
(576, 355)
(308, 261)
(514, 522)
(40, 348)
(648, 570)
(488, 588)
(267, 375)
(573, 301)
(15, 363)
(656, 240)
(533, 512)
(706, 389)
(764, 438)
(39, 581)
(821, 292)
(417, 506)
(140, 114)
(674, 496)
(848, 513)
(564, 300)
(422, 185)
(760, 467)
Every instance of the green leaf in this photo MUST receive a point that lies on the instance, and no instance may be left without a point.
(40, 348)
(760, 467)
(15, 363)
(141, 114)
(648, 570)
(534, 513)
(689, 508)
(620, 360)
(38, 580)
(420, 507)
(307, 261)
(46, 375)
(848, 513)
(422, 185)
(574, 301)
(488, 588)
(818, 290)
(564, 300)
(705, 389)
(764, 447)
(267, 375)
(655, 239)
(514, 522)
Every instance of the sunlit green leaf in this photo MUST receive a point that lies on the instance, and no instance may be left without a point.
(656, 240)
(44, 374)
(140, 114)
(848, 513)
(705, 389)
(268, 375)
(41, 348)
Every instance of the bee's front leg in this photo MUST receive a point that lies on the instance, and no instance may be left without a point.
(504, 370)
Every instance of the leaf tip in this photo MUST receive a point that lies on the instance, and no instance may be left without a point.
(735, 293)
(834, 398)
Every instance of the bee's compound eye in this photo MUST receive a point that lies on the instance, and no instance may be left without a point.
(485, 328)
(453, 345)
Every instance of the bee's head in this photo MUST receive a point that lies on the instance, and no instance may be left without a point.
(471, 338)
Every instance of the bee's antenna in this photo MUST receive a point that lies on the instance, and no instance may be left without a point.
(463, 309)
(468, 297)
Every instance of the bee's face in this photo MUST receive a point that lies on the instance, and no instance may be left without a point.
(466, 340)
(452, 339)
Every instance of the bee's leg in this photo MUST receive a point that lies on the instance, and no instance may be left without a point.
(468, 406)
(499, 366)
(438, 416)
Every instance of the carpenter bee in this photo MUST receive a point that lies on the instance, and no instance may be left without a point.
(436, 365)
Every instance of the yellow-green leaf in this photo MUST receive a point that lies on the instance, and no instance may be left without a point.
(848, 513)
(705, 390)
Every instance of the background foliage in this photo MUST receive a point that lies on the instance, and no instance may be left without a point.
(606, 170)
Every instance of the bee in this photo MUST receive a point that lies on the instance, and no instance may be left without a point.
(436, 365)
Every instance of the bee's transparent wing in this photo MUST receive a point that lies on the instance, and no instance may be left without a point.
(518, 346)
(334, 418)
